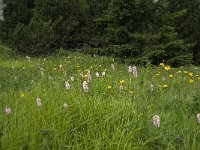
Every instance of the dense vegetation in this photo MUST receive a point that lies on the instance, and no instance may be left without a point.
(107, 117)
(140, 31)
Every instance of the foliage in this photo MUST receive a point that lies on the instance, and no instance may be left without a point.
(142, 30)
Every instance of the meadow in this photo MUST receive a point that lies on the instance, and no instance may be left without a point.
(38, 111)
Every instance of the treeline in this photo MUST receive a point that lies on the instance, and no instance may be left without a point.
(140, 31)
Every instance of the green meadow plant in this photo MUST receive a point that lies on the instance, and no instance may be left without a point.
(84, 102)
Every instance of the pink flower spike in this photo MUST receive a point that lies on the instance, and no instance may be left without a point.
(65, 105)
(113, 66)
(121, 87)
(39, 102)
(8, 110)
(97, 74)
(156, 121)
(130, 69)
(67, 85)
(198, 118)
(134, 71)
(85, 86)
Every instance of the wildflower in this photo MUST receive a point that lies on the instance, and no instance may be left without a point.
(191, 81)
(81, 74)
(65, 105)
(122, 81)
(109, 87)
(97, 74)
(156, 121)
(72, 78)
(113, 66)
(198, 78)
(130, 69)
(103, 73)
(67, 85)
(60, 67)
(89, 77)
(171, 76)
(185, 72)
(162, 64)
(22, 95)
(190, 74)
(39, 102)
(8, 110)
(28, 58)
(42, 73)
(179, 71)
(85, 86)
(121, 87)
(152, 86)
(134, 71)
(198, 118)
(167, 68)
(165, 86)
(50, 78)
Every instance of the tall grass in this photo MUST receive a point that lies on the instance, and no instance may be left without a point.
(102, 118)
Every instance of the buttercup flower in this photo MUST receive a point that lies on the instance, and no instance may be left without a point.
(109, 87)
(190, 74)
(191, 81)
(162, 64)
(122, 81)
(167, 68)
(165, 86)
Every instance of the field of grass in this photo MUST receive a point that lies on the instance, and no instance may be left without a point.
(103, 118)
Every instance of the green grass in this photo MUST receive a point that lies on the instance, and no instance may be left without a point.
(102, 118)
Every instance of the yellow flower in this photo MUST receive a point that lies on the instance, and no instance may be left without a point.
(162, 64)
(198, 78)
(190, 74)
(179, 71)
(167, 68)
(109, 87)
(85, 76)
(122, 81)
(22, 95)
(171, 76)
(191, 81)
(165, 86)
